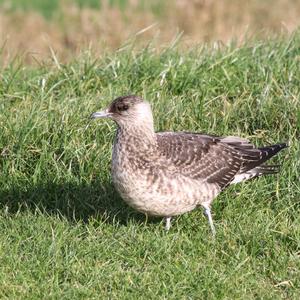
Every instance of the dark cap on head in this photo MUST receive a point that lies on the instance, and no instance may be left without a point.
(128, 107)
(123, 103)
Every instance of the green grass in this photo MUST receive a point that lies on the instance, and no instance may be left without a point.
(64, 231)
(51, 8)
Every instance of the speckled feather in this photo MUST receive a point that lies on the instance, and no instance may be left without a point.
(170, 173)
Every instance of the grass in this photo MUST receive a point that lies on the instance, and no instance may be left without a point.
(64, 231)
(32, 27)
(50, 7)
(47, 8)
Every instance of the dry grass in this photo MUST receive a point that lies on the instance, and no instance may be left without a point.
(73, 29)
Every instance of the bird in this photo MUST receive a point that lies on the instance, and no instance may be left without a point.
(166, 174)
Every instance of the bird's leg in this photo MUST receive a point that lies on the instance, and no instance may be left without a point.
(146, 219)
(210, 220)
(168, 223)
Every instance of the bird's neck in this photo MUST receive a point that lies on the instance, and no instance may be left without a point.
(142, 138)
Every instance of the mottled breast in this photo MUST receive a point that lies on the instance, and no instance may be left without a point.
(148, 184)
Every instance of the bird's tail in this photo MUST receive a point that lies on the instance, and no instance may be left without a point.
(262, 155)
(255, 172)
(256, 167)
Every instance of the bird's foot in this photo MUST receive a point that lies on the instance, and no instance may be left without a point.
(168, 223)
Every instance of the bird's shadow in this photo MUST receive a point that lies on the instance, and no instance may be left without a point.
(73, 201)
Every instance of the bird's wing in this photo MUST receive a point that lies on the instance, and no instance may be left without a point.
(209, 158)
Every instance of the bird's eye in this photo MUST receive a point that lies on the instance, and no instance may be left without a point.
(123, 107)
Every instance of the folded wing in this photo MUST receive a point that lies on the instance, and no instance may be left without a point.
(218, 160)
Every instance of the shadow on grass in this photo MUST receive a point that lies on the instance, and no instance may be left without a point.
(74, 201)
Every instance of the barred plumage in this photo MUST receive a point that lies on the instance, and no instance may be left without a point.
(170, 173)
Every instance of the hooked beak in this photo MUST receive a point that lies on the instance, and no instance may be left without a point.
(100, 114)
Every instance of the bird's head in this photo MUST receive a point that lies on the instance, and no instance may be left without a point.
(127, 111)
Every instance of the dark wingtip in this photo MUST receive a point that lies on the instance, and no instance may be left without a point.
(273, 149)
(283, 145)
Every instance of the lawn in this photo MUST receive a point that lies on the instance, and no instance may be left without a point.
(64, 231)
